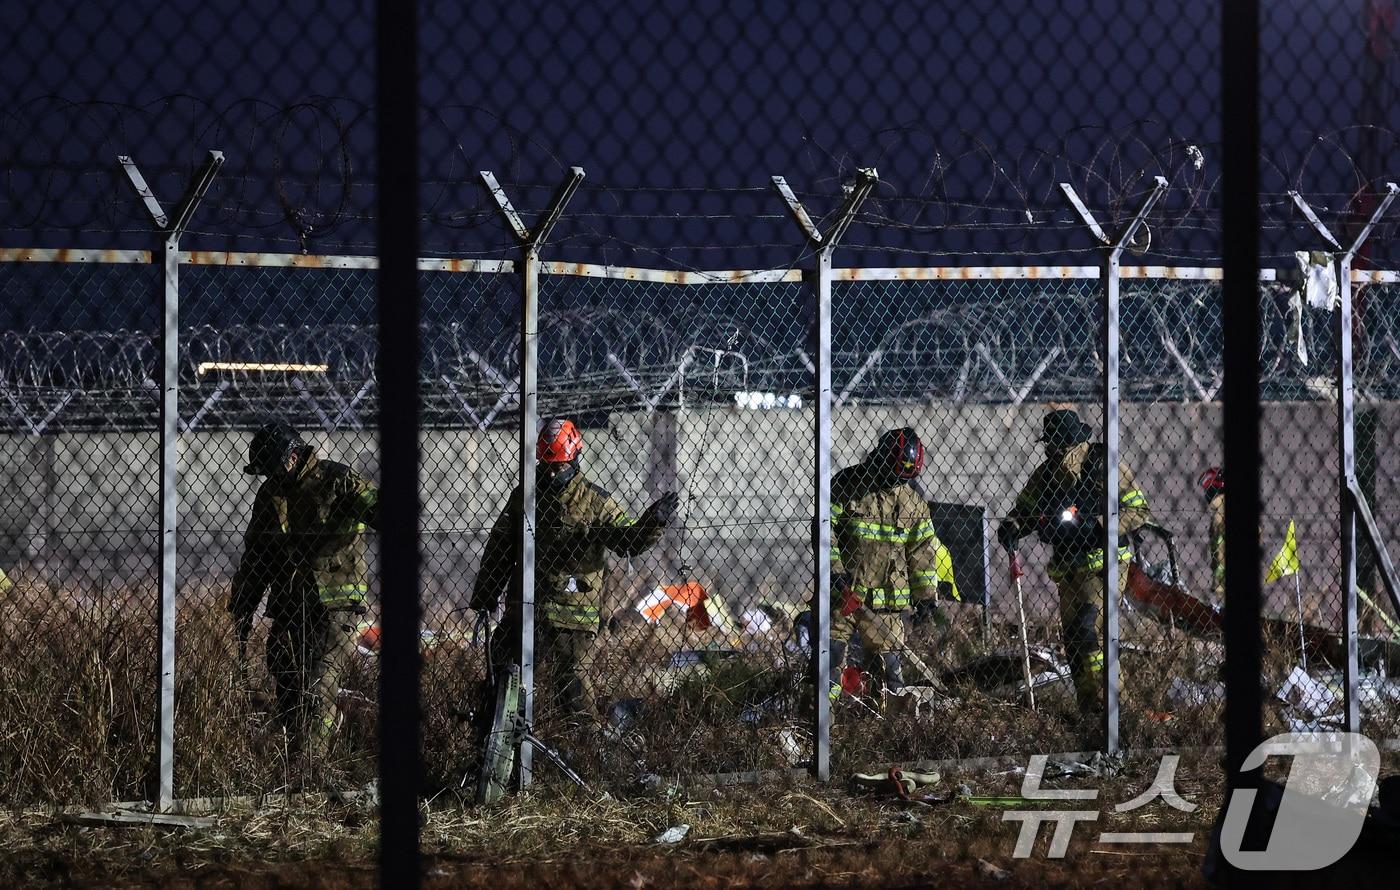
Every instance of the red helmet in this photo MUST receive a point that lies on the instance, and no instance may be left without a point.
(902, 452)
(559, 443)
(1212, 482)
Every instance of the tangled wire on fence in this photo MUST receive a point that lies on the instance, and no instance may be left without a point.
(953, 342)
(296, 177)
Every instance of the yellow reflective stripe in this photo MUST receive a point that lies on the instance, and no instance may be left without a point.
(885, 597)
(624, 521)
(875, 531)
(343, 595)
(1095, 661)
(1089, 562)
(922, 532)
(370, 496)
(835, 553)
(837, 510)
(343, 602)
(359, 527)
(891, 534)
(570, 612)
(1093, 560)
(834, 692)
(927, 578)
(1133, 498)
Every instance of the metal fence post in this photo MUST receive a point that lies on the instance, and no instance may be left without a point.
(820, 626)
(531, 242)
(170, 229)
(1346, 438)
(1109, 343)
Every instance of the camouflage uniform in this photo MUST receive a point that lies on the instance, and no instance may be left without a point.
(305, 549)
(574, 529)
(1217, 546)
(883, 539)
(1078, 569)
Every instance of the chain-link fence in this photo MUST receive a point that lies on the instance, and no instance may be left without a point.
(81, 539)
(966, 420)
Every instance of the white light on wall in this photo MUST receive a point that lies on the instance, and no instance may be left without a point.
(271, 367)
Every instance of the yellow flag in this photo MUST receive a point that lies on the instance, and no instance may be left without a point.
(1286, 561)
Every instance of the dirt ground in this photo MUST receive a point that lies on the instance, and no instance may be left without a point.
(783, 834)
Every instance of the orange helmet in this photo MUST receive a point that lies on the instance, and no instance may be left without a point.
(559, 443)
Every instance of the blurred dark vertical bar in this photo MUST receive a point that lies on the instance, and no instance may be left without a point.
(1240, 217)
(396, 139)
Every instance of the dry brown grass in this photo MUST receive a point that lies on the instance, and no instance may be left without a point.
(78, 701)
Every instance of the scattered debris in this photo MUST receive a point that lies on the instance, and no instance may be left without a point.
(119, 818)
(1317, 278)
(1327, 724)
(999, 674)
(1185, 693)
(987, 870)
(792, 747)
(673, 835)
(897, 782)
(1311, 696)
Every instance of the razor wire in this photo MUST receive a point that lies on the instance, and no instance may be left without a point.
(621, 345)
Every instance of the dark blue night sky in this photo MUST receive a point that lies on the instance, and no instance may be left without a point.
(679, 111)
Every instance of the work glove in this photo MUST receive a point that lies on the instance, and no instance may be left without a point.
(926, 611)
(662, 511)
(1007, 535)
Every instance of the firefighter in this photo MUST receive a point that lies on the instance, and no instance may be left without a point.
(884, 556)
(1061, 503)
(305, 550)
(576, 522)
(1212, 483)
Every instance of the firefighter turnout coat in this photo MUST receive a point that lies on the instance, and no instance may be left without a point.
(882, 537)
(305, 542)
(574, 530)
(1076, 481)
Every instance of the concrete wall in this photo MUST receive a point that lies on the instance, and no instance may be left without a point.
(81, 507)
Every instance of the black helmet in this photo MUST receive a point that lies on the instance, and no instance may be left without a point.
(272, 444)
(901, 453)
(1063, 427)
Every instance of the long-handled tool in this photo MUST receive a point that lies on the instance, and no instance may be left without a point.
(1302, 642)
(1016, 573)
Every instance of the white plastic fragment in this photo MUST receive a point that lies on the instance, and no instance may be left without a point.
(673, 835)
(1309, 695)
(1319, 278)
